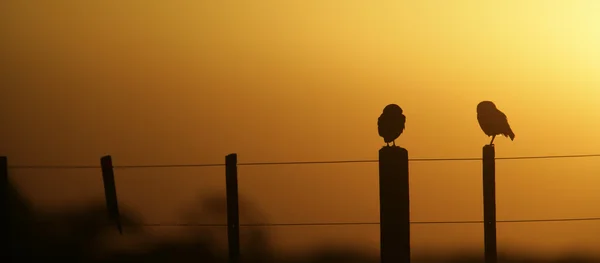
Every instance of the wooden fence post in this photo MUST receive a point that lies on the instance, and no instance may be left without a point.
(394, 205)
(233, 217)
(489, 203)
(110, 191)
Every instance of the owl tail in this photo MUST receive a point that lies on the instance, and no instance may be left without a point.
(511, 134)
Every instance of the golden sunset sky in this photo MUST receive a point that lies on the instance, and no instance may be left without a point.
(160, 82)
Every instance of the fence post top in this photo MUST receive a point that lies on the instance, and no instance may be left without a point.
(106, 161)
(393, 149)
(489, 151)
(232, 157)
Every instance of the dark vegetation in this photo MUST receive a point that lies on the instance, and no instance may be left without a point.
(75, 236)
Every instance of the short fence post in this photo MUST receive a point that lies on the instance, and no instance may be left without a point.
(233, 218)
(110, 191)
(394, 205)
(489, 203)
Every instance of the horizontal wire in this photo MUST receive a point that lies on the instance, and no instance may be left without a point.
(427, 159)
(377, 223)
(548, 157)
(307, 162)
(300, 162)
(551, 220)
(168, 165)
(54, 167)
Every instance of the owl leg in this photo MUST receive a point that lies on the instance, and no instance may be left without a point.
(394, 143)
(492, 142)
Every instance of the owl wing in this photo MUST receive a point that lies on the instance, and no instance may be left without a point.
(380, 128)
(503, 123)
(403, 121)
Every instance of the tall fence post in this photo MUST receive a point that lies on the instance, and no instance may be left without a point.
(489, 203)
(394, 205)
(233, 217)
(110, 191)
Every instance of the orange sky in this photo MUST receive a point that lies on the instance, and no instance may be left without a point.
(189, 82)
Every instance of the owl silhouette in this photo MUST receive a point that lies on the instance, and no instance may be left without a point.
(391, 123)
(492, 121)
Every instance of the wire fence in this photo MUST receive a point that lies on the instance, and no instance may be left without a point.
(329, 162)
(371, 223)
(298, 162)
(556, 220)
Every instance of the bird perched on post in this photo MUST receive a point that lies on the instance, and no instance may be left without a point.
(391, 123)
(492, 121)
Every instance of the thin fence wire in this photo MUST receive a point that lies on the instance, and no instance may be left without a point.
(331, 162)
(54, 167)
(169, 166)
(298, 162)
(372, 223)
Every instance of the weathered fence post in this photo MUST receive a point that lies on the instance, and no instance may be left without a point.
(233, 218)
(110, 191)
(394, 205)
(489, 203)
